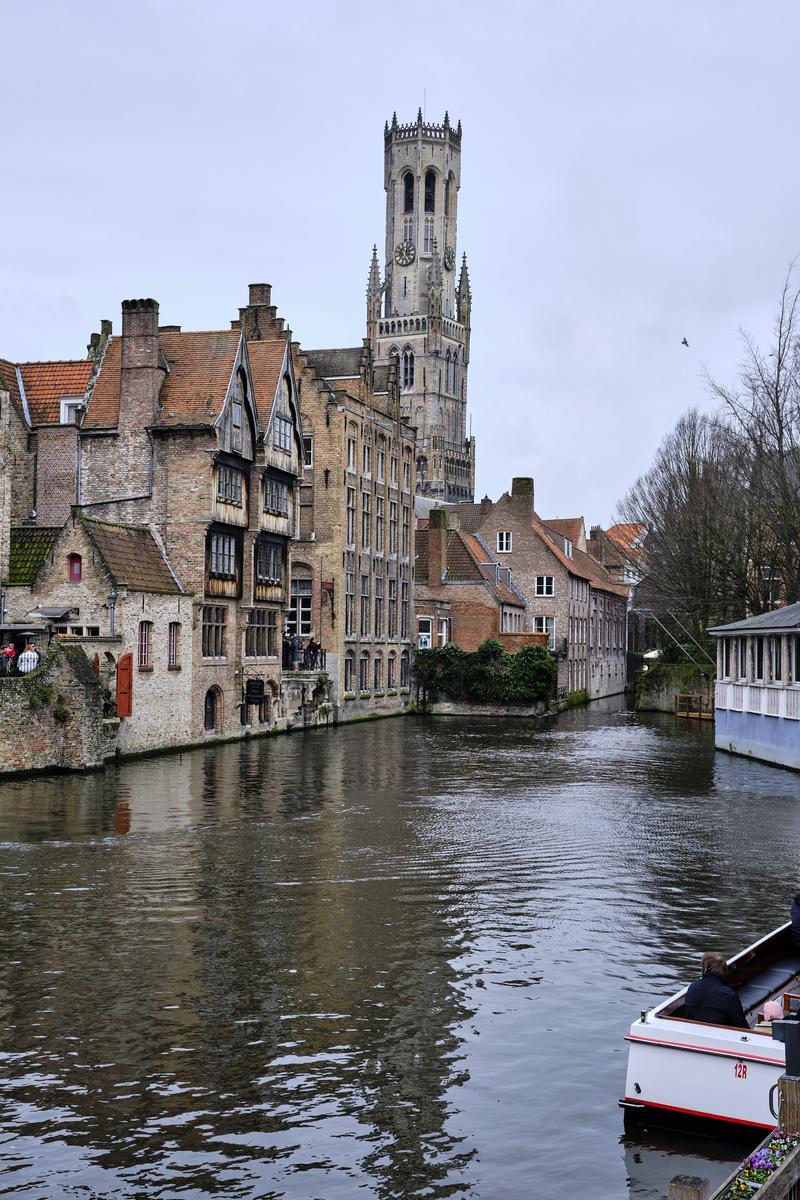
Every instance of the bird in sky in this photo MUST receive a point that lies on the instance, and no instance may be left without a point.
(685, 343)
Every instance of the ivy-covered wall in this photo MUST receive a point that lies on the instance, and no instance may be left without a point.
(53, 717)
(659, 686)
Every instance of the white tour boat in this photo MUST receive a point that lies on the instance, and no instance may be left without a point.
(680, 1071)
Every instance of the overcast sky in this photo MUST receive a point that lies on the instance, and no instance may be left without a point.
(629, 177)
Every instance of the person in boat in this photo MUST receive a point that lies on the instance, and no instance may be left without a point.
(710, 999)
(794, 932)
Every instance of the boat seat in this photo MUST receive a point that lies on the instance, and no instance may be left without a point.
(758, 989)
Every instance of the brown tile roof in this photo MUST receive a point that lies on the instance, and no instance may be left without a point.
(45, 384)
(10, 384)
(463, 555)
(336, 364)
(469, 516)
(132, 555)
(266, 360)
(200, 367)
(625, 535)
(568, 527)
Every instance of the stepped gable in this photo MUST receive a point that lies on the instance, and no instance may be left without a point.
(197, 370)
(30, 547)
(9, 383)
(133, 557)
(47, 383)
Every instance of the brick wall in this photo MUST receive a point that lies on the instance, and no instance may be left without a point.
(56, 472)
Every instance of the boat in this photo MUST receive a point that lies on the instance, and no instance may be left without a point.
(694, 1073)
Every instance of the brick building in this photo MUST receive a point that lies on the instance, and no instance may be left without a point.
(462, 594)
(352, 561)
(568, 595)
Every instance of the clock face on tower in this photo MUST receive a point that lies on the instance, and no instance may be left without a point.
(449, 258)
(404, 254)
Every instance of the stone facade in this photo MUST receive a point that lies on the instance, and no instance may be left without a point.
(352, 559)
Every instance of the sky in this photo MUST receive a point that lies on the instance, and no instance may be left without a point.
(629, 179)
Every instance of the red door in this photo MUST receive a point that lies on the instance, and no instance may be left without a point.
(125, 686)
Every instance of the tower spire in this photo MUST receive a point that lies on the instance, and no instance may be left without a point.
(374, 294)
(374, 281)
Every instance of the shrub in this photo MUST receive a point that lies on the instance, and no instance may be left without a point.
(487, 675)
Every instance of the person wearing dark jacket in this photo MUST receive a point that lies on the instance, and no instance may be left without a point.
(710, 999)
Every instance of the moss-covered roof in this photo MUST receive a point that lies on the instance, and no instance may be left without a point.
(30, 546)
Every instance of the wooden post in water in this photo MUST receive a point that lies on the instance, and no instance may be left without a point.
(688, 1187)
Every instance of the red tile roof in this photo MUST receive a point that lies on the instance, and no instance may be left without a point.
(200, 367)
(132, 555)
(266, 359)
(625, 536)
(568, 527)
(46, 383)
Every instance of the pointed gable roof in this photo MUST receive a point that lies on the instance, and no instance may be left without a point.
(198, 368)
(133, 556)
(30, 546)
(47, 383)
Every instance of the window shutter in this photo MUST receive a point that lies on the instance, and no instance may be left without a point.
(125, 686)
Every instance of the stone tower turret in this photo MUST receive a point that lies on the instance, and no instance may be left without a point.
(422, 327)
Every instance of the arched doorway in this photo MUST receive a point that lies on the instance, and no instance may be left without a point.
(212, 710)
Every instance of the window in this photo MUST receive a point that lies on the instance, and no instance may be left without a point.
(408, 368)
(408, 192)
(298, 614)
(424, 638)
(223, 555)
(350, 604)
(393, 477)
(406, 529)
(727, 644)
(214, 618)
(351, 454)
(504, 542)
(71, 407)
(282, 432)
(308, 450)
(546, 625)
(145, 645)
(758, 644)
(348, 673)
(212, 709)
(351, 517)
(408, 231)
(775, 659)
(269, 562)
(390, 662)
(393, 527)
(444, 631)
(430, 191)
(366, 519)
(428, 242)
(378, 606)
(404, 669)
(276, 496)
(545, 585)
(741, 657)
(229, 485)
(261, 636)
(379, 524)
(568, 547)
(174, 645)
(364, 625)
(392, 608)
(406, 476)
(404, 611)
(75, 567)
(363, 673)
(366, 459)
(380, 460)
(236, 422)
(377, 674)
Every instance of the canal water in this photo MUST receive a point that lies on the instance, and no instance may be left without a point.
(394, 960)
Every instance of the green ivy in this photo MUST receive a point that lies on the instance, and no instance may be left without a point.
(487, 675)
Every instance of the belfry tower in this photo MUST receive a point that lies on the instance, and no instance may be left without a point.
(418, 316)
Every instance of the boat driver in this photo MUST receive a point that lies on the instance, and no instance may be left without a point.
(710, 999)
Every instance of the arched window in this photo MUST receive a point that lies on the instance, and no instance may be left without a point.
(430, 191)
(363, 672)
(145, 645)
(212, 709)
(377, 673)
(390, 671)
(408, 368)
(447, 367)
(428, 242)
(349, 671)
(408, 229)
(408, 192)
(404, 671)
(447, 193)
(74, 563)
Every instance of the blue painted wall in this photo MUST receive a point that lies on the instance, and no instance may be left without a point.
(771, 739)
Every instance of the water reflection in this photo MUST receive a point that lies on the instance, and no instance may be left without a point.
(399, 958)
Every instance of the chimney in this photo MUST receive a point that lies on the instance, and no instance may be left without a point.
(139, 334)
(486, 506)
(437, 546)
(259, 293)
(258, 318)
(595, 543)
(522, 496)
(98, 341)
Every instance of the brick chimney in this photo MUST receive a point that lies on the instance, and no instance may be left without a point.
(595, 544)
(259, 319)
(437, 546)
(142, 374)
(522, 496)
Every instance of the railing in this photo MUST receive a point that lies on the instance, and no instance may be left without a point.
(769, 700)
